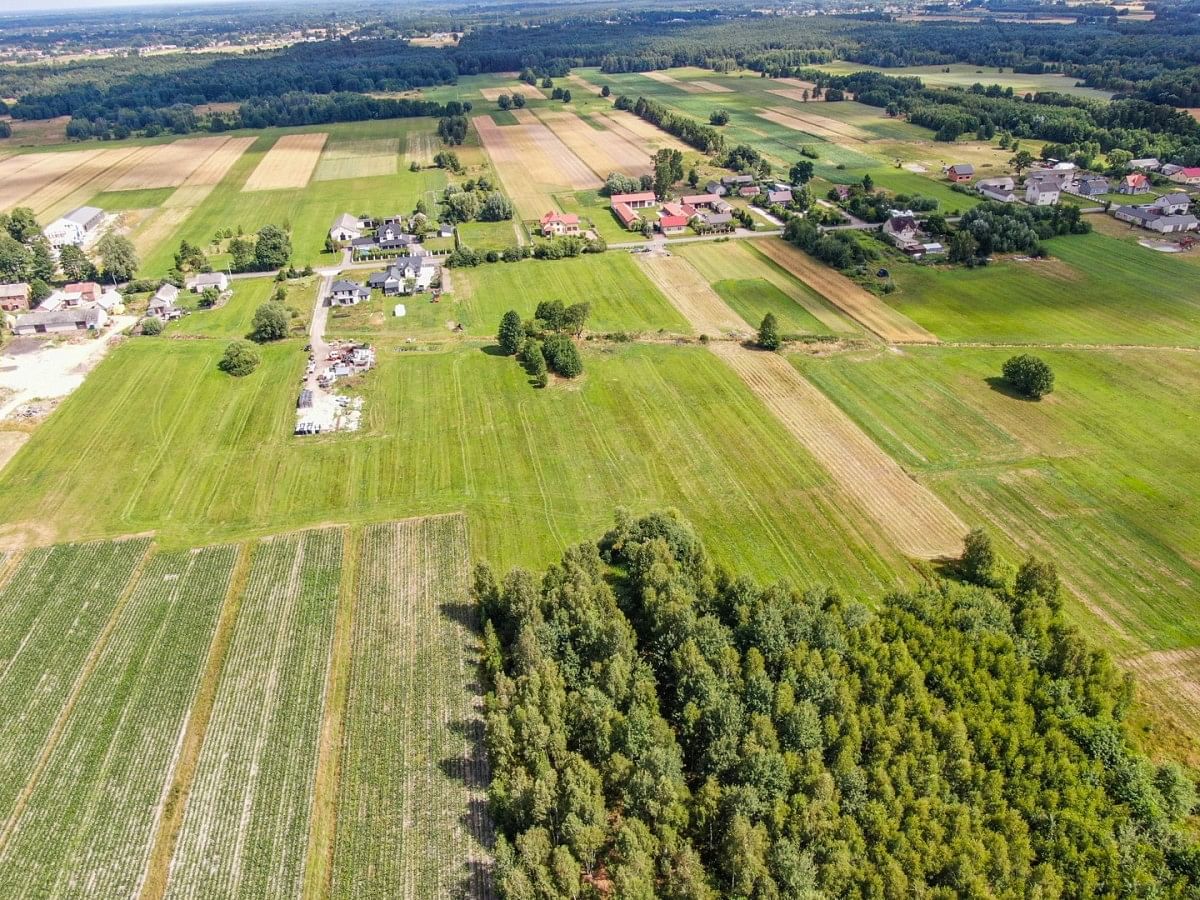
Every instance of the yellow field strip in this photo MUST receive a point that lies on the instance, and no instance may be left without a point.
(820, 126)
(25, 174)
(640, 132)
(604, 152)
(533, 163)
(526, 90)
(79, 185)
(692, 295)
(168, 165)
(288, 164)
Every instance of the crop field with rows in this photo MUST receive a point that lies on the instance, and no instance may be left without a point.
(87, 825)
(410, 812)
(247, 817)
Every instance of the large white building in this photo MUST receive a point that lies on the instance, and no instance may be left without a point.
(74, 228)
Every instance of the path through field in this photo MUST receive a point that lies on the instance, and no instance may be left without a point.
(917, 522)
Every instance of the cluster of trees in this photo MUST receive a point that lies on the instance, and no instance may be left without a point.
(269, 249)
(620, 183)
(565, 247)
(657, 726)
(26, 256)
(870, 205)
(543, 344)
(452, 129)
(511, 101)
(476, 200)
(839, 249)
(744, 158)
(995, 227)
(703, 137)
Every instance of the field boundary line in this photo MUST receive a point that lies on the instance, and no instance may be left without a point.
(166, 834)
(322, 827)
(60, 723)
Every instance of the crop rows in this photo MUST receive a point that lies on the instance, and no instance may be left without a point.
(87, 828)
(52, 608)
(246, 824)
(410, 812)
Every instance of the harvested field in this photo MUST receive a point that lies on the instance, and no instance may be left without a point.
(712, 87)
(158, 225)
(1169, 682)
(798, 83)
(533, 163)
(420, 147)
(520, 87)
(663, 78)
(80, 184)
(917, 522)
(288, 164)
(27, 173)
(167, 165)
(861, 305)
(583, 84)
(821, 126)
(640, 132)
(604, 152)
(206, 176)
(358, 159)
(692, 295)
(414, 772)
(797, 94)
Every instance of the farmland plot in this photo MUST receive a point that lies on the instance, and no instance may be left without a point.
(288, 164)
(246, 822)
(54, 606)
(87, 827)
(28, 173)
(168, 165)
(420, 147)
(358, 159)
(410, 815)
(532, 163)
(604, 152)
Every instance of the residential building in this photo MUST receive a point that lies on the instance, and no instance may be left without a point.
(1137, 183)
(74, 228)
(737, 180)
(701, 201)
(163, 303)
(42, 321)
(715, 187)
(14, 297)
(960, 172)
(1170, 169)
(1000, 189)
(347, 293)
(1091, 185)
(1155, 220)
(671, 224)
(346, 228)
(556, 224)
(901, 229)
(1040, 191)
(783, 198)
(1172, 204)
(392, 237)
(1186, 175)
(78, 292)
(1149, 164)
(394, 280)
(199, 283)
(749, 190)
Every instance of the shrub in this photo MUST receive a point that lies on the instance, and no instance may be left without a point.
(768, 333)
(151, 325)
(239, 359)
(1029, 376)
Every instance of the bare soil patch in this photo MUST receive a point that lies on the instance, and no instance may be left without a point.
(288, 164)
(10, 443)
(917, 522)
(861, 305)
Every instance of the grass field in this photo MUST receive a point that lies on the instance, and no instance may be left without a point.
(1096, 289)
(963, 75)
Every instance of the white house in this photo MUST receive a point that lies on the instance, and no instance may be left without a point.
(347, 293)
(199, 283)
(901, 229)
(1172, 204)
(162, 304)
(1040, 191)
(346, 228)
(74, 228)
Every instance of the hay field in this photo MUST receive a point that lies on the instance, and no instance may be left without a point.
(206, 176)
(917, 522)
(520, 87)
(861, 305)
(167, 165)
(358, 159)
(420, 147)
(288, 164)
(533, 163)
(821, 126)
(28, 173)
(640, 132)
(692, 295)
(80, 184)
(604, 152)
(712, 87)
(797, 94)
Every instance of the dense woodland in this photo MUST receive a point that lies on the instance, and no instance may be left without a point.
(657, 726)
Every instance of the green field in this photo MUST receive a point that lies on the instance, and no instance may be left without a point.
(1096, 290)
(963, 75)
(233, 318)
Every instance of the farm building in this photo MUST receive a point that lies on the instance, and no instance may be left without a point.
(1186, 175)
(783, 198)
(640, 200)
(445, 230)
(1170, 169)
(960, 172)
(1000, 189)
(205, 280)
(1149, 164)
(749, 190)
(559, 224)
(1091, 186)
(56, 321)
(14, 297)
(625, 214)
(1155, 219)
(732, 181)
(347, 293)
(1042, 191)
(81, 292)
(702, 201)
(162, 304)
(74, 228)
(1172, 204)
(715, 187)
(1137, 183)
(346, 228)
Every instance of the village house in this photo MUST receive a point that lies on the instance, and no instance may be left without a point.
(556, 224)
(901, 229)
(74, 228)
(782, 198)
(960, 172)
(701, 201)
(347, 293)
(163, 303)
(842, 191)
(1091, 186)
(1169, 169)
(1186, 175)
(14, 297)
(731, 181)
(199, 283)
(392, 237)
(627, 217)
(1155, 219)
(1137, 183)
(78, 292)
(394, 280)
(345, 228)
(42, 321)
(1000, 189)
(715, 187)
(1149, 164)
(749, 190)
(1042, 191)
(1172, 204)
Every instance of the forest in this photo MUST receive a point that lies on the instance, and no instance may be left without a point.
(657, 726)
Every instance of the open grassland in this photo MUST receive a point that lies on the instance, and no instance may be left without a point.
(963, 75)
(411, 821)
(232, 319)
(358, 159)
(289, 164)
(861, 305)
(753, 284)
(1096, 290)
(87, 823)
(603, 150)
(441, 432)
(246, 824)
(55, 606)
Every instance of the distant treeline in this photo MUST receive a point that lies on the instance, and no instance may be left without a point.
(703, 137)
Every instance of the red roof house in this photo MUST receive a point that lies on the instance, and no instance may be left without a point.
(701, 199)
(634, 201)
(626, 215)
(556, 223)
(668, 224)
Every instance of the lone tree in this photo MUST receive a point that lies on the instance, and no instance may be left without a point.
(768, 333)
(273, 248)
(239, 359)
(801, 172)
(719, 117)
(511, 333)
(1021, 161)
(75, 265)
(1029, 376)
(978, 561)
(270, 323)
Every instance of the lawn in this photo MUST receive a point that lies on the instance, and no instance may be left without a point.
(1097, 289)
(233, 318)
(198, 457)
(485, 236)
